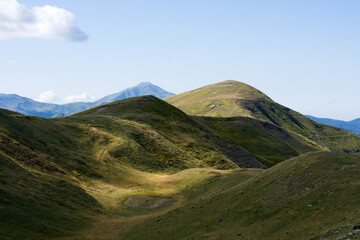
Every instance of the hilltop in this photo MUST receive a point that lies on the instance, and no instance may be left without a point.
(218, 100)
(235, 99)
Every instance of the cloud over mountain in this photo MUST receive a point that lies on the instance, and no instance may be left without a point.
(47, 96)
(84, 97)
(47, 22)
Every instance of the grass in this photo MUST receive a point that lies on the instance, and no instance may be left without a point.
(39, 206)
(73, 168)
(302, 198)
(269, 143)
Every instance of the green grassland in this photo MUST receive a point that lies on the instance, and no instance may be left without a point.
(68, 178)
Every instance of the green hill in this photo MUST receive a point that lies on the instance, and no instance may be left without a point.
(314, 196)
(266, 142)
(234, 99)
(160, 136)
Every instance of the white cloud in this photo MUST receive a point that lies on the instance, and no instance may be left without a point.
(47, 22)
(79, 98)
(47, 96)
(11, 61)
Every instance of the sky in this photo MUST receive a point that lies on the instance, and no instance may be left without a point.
(304, 54)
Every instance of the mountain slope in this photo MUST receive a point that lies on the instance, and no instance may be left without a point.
(268, 142)
(233, 99)
(313, 196)
(30, 107)
(169, 129)
(47, 164)
(36, 205)
(351, 126)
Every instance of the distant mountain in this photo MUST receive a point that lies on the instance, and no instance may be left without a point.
(143, 89)
(351, 126)
(28, 106)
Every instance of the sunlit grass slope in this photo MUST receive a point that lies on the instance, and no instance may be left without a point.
(307, 197)
(234, 99)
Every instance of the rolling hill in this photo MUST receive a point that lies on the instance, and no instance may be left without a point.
(140, 168)
(108, 153)
(235, 99)
(30, 107)
(313, 196)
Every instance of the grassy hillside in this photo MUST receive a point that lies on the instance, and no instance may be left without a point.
(234, 99)
(160, 136)
(59, 176)
(38, 206)
(314, 196)
(269, 143)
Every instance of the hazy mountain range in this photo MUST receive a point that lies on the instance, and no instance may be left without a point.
(30, 107)
(351, 126)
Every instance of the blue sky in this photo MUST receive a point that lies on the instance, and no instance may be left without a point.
(305, 54)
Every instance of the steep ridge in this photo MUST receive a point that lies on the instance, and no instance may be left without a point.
(233, 99)
(313, 196)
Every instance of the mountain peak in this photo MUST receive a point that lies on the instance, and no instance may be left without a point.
(143, 84)
(218, 99)
(142, 89)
